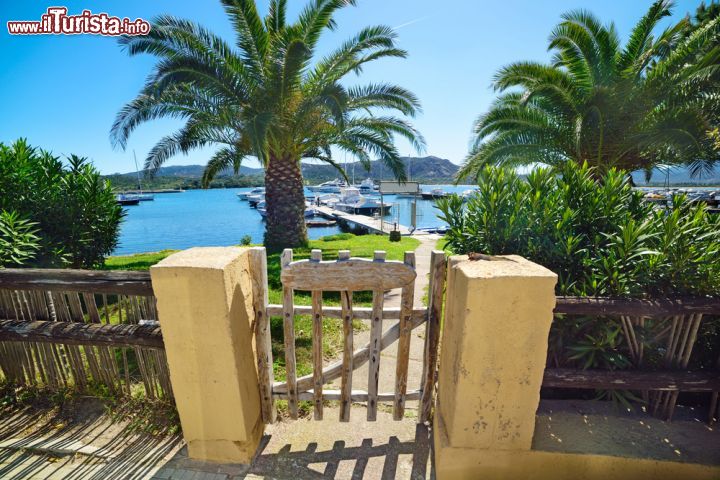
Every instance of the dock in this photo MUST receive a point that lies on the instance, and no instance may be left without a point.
(371, 224)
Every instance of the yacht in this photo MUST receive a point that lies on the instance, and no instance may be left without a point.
(367, 186)
(310, 211)
(254, 191)
(433, 194)
(253, 200)
(350, 201)
(332, 186)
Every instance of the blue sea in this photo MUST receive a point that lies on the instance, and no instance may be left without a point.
(217, 217)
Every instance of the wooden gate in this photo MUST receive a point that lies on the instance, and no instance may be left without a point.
(347, 275)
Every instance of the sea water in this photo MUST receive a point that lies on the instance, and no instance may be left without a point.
(217, 217)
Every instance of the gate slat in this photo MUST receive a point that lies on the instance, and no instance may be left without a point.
(317, 344)
(347, 368)
(403, 356)
(375, 340)
(375, 350)
(289, 330)
(432, 332)
(263, 342)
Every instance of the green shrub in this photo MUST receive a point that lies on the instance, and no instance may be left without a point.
(601, 239)
(597, 234)
(18, 242)
(74, 210)
(246, 240)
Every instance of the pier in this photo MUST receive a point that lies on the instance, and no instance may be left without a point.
(371, 224)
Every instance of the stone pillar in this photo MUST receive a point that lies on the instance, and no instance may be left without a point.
(204, 298)
(494, 345)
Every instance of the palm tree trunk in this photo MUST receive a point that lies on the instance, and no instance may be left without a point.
(285, 203)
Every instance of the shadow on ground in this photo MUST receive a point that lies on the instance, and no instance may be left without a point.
(84, 443)
(311, 463)
(370, 460)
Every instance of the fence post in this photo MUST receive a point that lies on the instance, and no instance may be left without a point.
(205, 308)
(494, 345)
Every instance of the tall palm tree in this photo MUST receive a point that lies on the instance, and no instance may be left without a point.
(652, 102)
(268, 97)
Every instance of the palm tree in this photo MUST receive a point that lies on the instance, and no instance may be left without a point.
(268, 97)
(652, 102)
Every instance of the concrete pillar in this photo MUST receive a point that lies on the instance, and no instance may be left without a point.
(494, 345)
(204, 298)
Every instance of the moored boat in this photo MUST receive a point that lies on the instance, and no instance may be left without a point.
(367, 186)
(433, 194)
(332, 186)
(254, 191)
(126, 200)
(350, 201)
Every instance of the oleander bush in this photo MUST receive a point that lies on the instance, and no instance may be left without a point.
(597, 234)
(18, 242)
(602, 239)
(73, 211)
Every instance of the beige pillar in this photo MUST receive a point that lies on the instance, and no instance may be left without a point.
(204, 298)
(494, 345)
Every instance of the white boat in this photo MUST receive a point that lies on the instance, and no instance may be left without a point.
(350, 201)
(309, 210)
(332, 186)
(253, 200)
(254, 191)
(146, 197)
(126, 199)
(433, 194)
(367, 186)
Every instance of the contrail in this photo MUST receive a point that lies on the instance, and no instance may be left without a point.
(410, 23)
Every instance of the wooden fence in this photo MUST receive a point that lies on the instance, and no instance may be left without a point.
(347, 275)
(89, 330)
(678, 322)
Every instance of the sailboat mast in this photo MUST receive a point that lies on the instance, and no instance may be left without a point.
(137, 170)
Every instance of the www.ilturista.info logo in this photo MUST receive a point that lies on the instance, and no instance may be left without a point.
(57, 22)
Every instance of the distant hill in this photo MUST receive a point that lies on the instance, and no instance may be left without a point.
(678, 176)
(424, 169)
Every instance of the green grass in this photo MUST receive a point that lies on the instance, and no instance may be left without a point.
(359, 246)
(139, 261)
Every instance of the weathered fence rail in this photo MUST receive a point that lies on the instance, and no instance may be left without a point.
(677, 320)
(685, 381)
(82, 329)
(637, 307)
(66, 280)
(77, 333)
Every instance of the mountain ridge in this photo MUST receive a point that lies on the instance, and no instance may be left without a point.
(419, 168)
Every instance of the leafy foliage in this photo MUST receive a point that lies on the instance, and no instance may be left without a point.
(18, 242)
(598, 235)
(653, 101)
(270, 97)
(601, 239)
(73, 211)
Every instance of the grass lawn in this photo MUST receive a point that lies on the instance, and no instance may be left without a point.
(359, 246)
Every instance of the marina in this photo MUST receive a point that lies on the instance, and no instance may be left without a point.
(216, 217)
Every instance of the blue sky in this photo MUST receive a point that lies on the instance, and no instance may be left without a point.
(63, 92)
